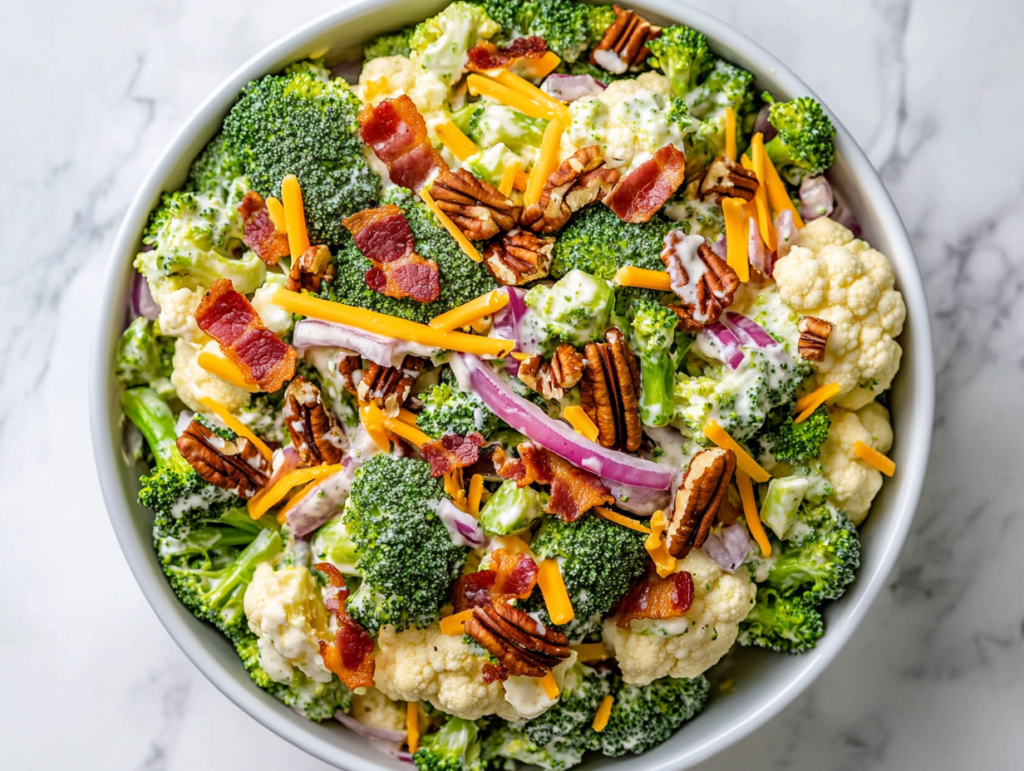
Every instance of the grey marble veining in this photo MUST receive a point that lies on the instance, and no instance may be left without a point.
(934, 679)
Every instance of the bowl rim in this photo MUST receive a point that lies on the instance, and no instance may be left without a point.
(193, 135)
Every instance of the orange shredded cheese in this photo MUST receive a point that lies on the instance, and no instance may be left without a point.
(736, 237)
(294, 216)
(580, 422)
(407, 417)
(407, 432)
(620, 519)
(412, 725)
(514, 545)
(521, 181)
(550, 686)
(643, 278)
(664, 562)
(225, 369)
(480, 85)
(476, 491)
(451, 136)
(236, 425)
(390, 326)
(721, 437)
(452, 625)
(508, 178)
(777, 194)
(376, 88)
(282, 514)
(764, 217)
(373, 422)
(590, 652)
(544, 66)
(474, 310)
(546, 164)
(266, 500)
(750, 512)
(874, 457)
(730, 133)
(453, 486)
(552, 588)
(816, 397)
(276, 212)
(460, 238)
(604, 712)
(519, 355)
(554, 108)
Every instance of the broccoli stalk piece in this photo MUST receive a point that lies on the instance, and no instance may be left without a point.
(654, 331)
(570, 28)
(333, 543)
(804, 145)
(791, 442)
(392, 44)
(489, 124)
(682, 54)
(304, 122)
(405, 554)
(448, 410)
(455, 747)
(144, 358)
(786, 625)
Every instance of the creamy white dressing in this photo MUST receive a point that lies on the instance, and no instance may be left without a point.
(660, 627)
(527, 695)
(686, 249)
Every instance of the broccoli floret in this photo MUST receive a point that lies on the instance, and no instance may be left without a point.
(392, 44)
(599, 561)
(725, 86)
(406, 556)
(264, 416)
(803, 146)
(596, 241)
(461, 279)
(144, 358)
(570, 28)
(581, 695)
(305, 123)
(489, 124)
(218, 172)
(512, 508)
(820, 558)
(505, 747)
(442, 41)
(795, 442)
(654, 333)
(316, 701)
(682, 54)
(645, 716)
(333, 543)
(787, 625)
(577, 309)
(455, 747)
(448, 410)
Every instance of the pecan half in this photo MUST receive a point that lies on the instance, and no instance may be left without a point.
(350, 371)
(551, 379)
(315, 433)
(814, 334)
(624, 44)
(581, 179)
(313, 267)
(610, 391)
(521, 645)
(476, 206)
(519, 257)
(700, 278)
(389, 387)
(233, 464)
(727, 179)
(698, 499)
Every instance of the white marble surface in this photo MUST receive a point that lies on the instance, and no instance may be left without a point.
(91, 92)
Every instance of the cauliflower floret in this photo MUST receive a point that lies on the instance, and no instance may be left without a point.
(686, 647)
(388, 77)
(274, 317)
(192, 382)
(374, 709)
(178, 301)
(835, 277)
(623, 89)
(286, 612)
(855, 482)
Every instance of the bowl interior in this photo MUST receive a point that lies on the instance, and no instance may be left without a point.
(764, 682)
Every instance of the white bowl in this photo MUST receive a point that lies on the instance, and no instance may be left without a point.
(765, 682)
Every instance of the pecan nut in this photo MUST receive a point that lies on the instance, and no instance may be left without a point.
(315, 434)
(610, 392)
(725, 178)
(624, 44)
(814, 334)
(701, 279)
(350, 371)
(519, 257)
(312, 268)
(698, 499)
(551, 379)
(581, 179)
(476, 206)
(520, 644)
(224, 459)
(389, 387)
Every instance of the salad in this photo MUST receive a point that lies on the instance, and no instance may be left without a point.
(488, 402)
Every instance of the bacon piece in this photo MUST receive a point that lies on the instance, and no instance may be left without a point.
(487, 56)
(452, 452)
(384, 237)
(515, 575)
(412, 277)
(473, 590)
(646, 189)
(349, 655)
(657, 597)
(573, 490)
(397, 133)
(260, 233)
(494, 673)
(263, 358)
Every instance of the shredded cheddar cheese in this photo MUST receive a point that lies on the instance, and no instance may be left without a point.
(412, 726)
(806, 405)
(236, 425)
(407, 432)
(721, 437)
(544, 66)
(736, 237)
(664, 562)
(546, 164)
(373, 422)
(764, 217)
(521, 181)
(480, 85)
(508, 178)
(226, 370)
(777, 194)
(554, 108)
(476, 491)
(874, 457)
(750, 512)
(452, 625)
(590, 652)
(407, 417)
(294, 216)
(267, 499)
(550, 686)
(460, 238)
(581, 422)
(730, 133)
(276, 212)
(451, 136)
(282, 515)
(604, 712)
(552, 588)
(514, 545)
(643, 278)
(620, 519)
(474, 310)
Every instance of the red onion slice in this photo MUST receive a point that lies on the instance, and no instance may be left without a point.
(321, 503)
(462, 527)
(569, 88)
(528, 419)
(763, 126)
(757, 251)
(729, 548)
(642, 501)
(815, 198)
(845, 217)
(721, 248)
(725, 342)
(382, 734)
(143, 303)
(385, 351)
(786, 233)
(748, 331)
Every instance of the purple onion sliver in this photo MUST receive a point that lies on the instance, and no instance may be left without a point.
(786, 233)
(383, 734)
(569, 88)
(642, 501)
(844, 216)
(462, 527)
(724, 340)
(721, 248)
(763, 126)
(757, 251)
(143, 303)
(728, 549)
(815, 198)
(749, 331)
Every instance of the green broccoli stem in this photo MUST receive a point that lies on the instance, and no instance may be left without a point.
(657, 381)
(154, 419)
(267, 544)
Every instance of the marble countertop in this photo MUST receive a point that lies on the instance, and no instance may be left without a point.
(935, 676)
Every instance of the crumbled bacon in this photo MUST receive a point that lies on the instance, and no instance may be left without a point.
(573, 490)
(349, 655)
(384, 237)
(487, 56)
(413, 278)
(263, 358)
(494, 673)
(473, 590)
(515, 575)
(657, 597)
(646, 189)
(260, 233)
(452, 452)
(397, 133)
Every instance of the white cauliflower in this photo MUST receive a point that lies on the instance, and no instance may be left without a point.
(835, 277)
(274, 317)
(374, 709)
(192, 382)
(286, 612)
(388, 77)
(854, 482)
(688, 646)
(178, 300)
